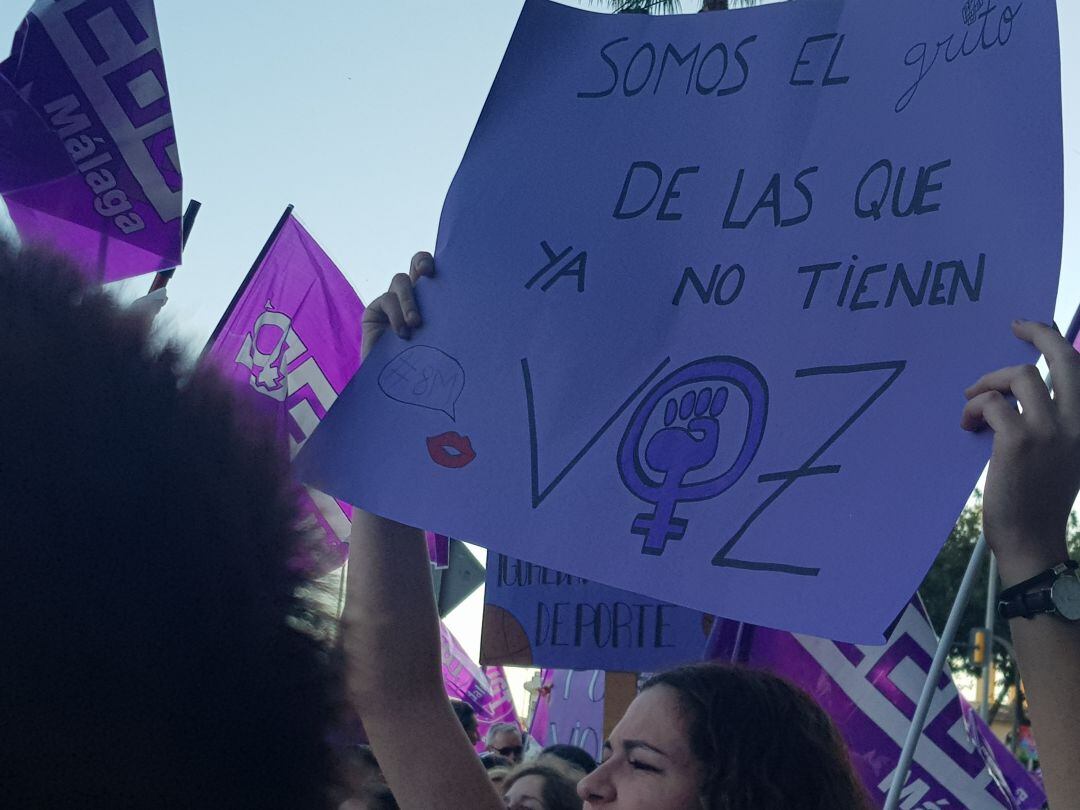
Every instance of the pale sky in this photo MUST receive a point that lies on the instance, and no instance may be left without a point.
(358, 113)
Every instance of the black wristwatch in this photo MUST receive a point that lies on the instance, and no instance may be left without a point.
(1055, 591)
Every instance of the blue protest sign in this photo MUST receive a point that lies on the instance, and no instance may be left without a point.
(534, 616)
(713, 286)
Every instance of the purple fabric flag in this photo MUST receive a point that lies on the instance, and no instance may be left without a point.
(570, 709)
(871, 694)
(498, 706)
(462, 677)
(91, 73)
(292, 341)
(30, 153)
(438, 546)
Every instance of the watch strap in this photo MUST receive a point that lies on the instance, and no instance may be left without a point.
(1028, 605)
(1022, 600)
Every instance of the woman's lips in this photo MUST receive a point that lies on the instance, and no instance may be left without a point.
(442, 449)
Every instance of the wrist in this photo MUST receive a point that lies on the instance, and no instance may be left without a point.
(1022, 560)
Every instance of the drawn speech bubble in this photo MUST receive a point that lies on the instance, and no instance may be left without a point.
(426, 377)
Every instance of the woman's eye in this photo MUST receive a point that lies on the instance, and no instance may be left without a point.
(637, 764)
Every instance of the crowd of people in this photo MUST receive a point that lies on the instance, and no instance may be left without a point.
(159, 648)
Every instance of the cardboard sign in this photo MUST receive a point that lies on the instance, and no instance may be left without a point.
(534, 616)
(709, 288)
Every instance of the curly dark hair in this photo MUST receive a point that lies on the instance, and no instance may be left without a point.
(764, 744)
(150, 655)
(559, 793)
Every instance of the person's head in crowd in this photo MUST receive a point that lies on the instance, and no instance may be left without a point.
(371, 797)
(723, 738)
(498, 774)
(466, 715)
(505, 740)
(571, 754)
(489, 761)
(153, 650)
(539, 787)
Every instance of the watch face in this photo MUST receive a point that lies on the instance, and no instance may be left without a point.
(1066, 597)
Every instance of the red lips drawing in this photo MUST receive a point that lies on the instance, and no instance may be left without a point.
(451, 450)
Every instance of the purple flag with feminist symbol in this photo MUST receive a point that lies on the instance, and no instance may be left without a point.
(291, 340)
(94, 172)
(871, 694)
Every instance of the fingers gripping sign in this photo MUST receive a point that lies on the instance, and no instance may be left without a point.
(1034, 469)
(396, 309)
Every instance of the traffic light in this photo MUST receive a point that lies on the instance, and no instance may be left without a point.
(977, 646)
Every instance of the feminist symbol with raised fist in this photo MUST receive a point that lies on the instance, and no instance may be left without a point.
(688, 441)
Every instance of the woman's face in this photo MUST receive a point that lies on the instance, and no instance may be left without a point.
(647, 761)
(526, 793)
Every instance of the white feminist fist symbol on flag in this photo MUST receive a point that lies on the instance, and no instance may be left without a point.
(268, 370)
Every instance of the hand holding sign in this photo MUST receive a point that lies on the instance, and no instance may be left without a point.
(396, 308)
(1035, 468)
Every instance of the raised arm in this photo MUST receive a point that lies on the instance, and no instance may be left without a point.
(391, 634)
(1031, 486)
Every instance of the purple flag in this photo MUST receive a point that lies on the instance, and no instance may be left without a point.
(95, 172)
(292, 340)
(498, 706)
(871, 694)
(438, 546)
(570, 709)
(462, 677)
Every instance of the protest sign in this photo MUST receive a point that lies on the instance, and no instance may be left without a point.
(534, 616)
(708, 291)
(291, 341)
(871, 693)
(92, 74)
(570, 710)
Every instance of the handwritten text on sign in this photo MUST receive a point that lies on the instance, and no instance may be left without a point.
(712, 286)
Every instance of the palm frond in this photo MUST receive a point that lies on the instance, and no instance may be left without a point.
(640, 6)
(668, 6)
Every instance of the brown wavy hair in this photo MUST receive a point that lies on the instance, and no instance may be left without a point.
(763, 743)
(559, 792)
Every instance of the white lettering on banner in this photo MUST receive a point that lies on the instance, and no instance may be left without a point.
(876, 706)
(278, 374)
(109, 201)
(912, 793)
(122, 51)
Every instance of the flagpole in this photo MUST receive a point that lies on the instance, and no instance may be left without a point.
(989, 623)
(918, 722)
(161, 278)
(963, 596)
(251, 274)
